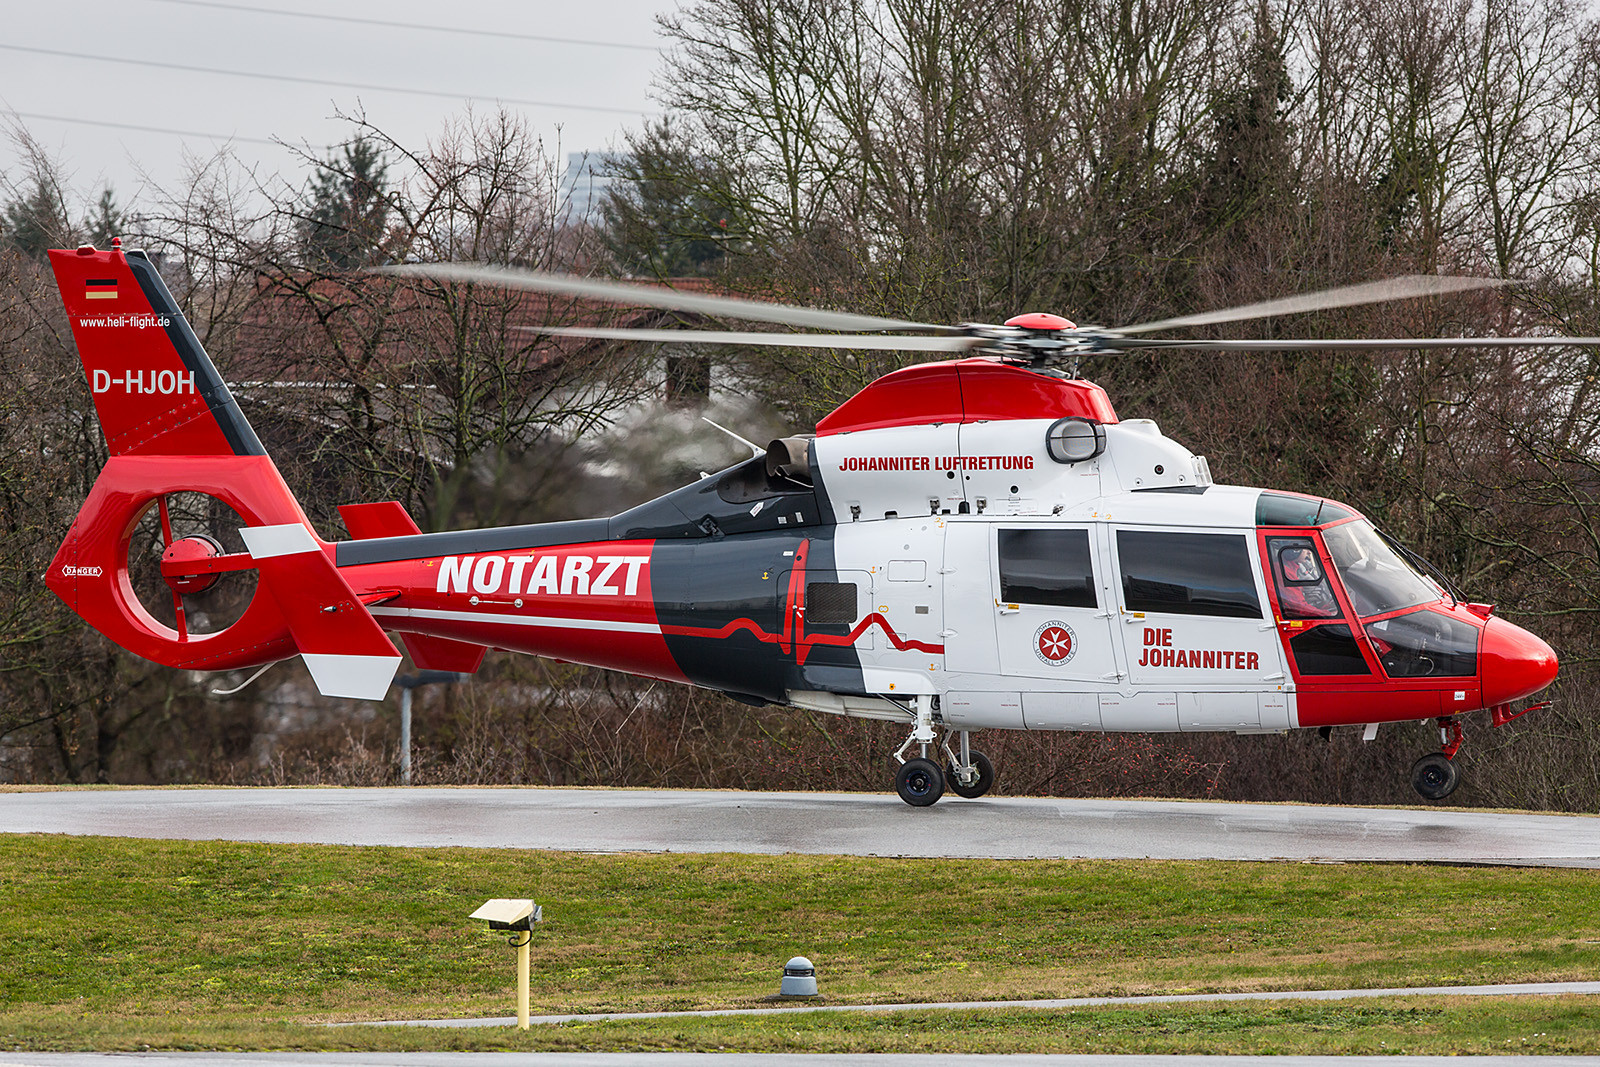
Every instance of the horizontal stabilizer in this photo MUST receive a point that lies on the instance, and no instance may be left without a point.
(388, 519)
(345, 649)
(384, 519)
(361, 677)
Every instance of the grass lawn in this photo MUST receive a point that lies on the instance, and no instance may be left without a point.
(112, 943)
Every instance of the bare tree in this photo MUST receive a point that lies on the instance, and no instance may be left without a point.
(372, 386)
(1532, 107)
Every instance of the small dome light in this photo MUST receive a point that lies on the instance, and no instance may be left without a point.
(1039, 320)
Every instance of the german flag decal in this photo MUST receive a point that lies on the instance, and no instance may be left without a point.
(100, 289)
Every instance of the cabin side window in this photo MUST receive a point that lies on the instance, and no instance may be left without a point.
(1047, 567)
(1188, 574)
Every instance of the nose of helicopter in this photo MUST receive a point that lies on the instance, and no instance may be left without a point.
(1515, 663)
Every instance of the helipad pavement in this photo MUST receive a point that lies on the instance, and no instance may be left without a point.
(842, 823)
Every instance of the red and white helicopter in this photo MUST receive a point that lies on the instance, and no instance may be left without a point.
(973, 544)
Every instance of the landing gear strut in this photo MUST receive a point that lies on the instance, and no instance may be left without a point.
(971, 774)
(920, 782)
(1436, 775)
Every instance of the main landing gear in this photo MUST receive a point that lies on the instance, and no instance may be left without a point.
(1436, 775)
(920, 781)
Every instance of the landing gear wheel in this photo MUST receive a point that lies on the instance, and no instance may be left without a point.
(919, 782)
(980, 785)
(1435, 776)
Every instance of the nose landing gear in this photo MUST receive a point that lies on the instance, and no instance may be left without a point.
(920, 782)
(1435, 776)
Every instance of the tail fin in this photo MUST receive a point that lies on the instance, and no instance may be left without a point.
(155, 390)
(173, 427)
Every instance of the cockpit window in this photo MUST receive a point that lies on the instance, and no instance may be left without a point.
(1425, 644)
(1376, 578)
(1281, 509)
(1303, 591)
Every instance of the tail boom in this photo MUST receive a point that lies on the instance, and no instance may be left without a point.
(586, 602)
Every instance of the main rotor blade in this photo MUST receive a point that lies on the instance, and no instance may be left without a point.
(779, 340)
(1293, 344)
(649, 296)
(1401, 288)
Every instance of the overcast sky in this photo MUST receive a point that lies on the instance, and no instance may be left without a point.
(568, 81)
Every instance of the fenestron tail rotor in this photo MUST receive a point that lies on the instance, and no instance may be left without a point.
(187, 565)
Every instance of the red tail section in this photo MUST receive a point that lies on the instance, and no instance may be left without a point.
(173, 427)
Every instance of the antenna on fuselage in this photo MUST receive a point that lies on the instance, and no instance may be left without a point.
(755, 450)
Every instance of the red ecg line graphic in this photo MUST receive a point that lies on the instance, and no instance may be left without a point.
(794, 638)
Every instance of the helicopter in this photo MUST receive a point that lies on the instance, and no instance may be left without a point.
(969, 544)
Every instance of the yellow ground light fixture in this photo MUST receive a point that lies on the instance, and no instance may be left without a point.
(519, 917)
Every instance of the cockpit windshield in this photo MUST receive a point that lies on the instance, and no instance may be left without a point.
(1374, 575)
